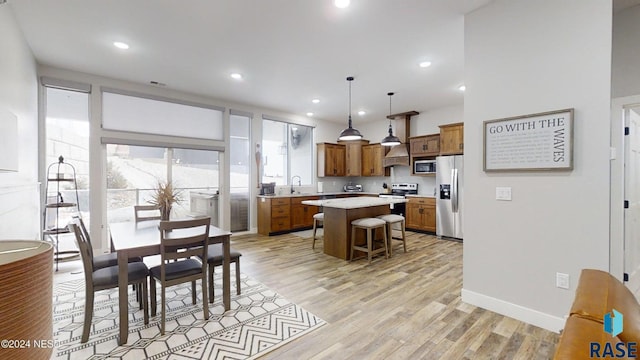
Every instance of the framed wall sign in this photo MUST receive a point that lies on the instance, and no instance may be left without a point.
(541, 141)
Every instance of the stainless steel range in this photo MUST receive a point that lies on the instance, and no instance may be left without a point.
(398, 191)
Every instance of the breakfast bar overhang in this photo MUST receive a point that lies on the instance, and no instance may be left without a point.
(338, 215)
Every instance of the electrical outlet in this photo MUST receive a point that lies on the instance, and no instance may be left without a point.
(562, 280)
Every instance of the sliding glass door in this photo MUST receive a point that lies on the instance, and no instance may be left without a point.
(133, 172)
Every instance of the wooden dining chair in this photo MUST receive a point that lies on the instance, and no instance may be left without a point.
(181, 241)
(102, 260)
(214, 258)
(146, 212)
(105, 278)
(106, 260)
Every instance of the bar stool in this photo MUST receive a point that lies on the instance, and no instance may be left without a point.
(318, 219)
(368, 224)
(391, 220)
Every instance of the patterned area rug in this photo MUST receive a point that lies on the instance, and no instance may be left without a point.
(258, 322)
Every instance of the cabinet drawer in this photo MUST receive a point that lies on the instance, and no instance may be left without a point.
(280, 224)
(280, 201)
(280, 211)
(422, 201)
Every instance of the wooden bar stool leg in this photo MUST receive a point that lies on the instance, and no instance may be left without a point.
(384, 233)
(389, 234)
(353, 241)
(369, 243)
(404, 237)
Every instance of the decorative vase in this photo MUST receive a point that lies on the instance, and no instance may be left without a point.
(165, 213)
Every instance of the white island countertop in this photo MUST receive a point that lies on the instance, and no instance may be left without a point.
(354, 202)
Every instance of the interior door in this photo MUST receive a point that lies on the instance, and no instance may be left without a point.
(632, 195)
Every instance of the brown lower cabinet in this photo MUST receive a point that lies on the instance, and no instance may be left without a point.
(421, 214)
(279, 215)
(302, 215)
(283, 214)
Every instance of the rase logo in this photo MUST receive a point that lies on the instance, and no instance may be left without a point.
(613, 325)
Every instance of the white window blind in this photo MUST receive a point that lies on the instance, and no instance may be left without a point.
(148, 115)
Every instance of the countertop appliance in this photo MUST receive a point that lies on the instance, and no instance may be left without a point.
(398, 191)
(450, 196)
(268, 188)
(424, 167)
(352, 188)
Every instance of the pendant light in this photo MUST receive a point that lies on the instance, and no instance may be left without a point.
(390, 140)
(350, 133)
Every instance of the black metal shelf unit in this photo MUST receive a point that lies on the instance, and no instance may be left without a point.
(56, 209)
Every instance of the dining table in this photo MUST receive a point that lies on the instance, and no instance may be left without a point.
(131, 239)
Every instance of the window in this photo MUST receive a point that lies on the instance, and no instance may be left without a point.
(287, 151)
(67, 135)
(240, 125)
(133, 173)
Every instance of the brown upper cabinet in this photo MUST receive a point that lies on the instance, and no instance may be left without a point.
(372, 160)
(353, 156)
(331, 159)
(452, 139)
(427, 145)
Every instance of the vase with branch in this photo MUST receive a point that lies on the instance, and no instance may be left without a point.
(164, 197)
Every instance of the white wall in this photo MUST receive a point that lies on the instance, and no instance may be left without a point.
(19, 192)
(626, 55)
(429, 120)
(522, 58)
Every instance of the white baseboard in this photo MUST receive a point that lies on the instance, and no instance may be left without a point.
(530, 316)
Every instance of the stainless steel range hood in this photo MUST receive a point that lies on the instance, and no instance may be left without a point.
(399, 154)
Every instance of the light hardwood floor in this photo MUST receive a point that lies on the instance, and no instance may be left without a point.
(406, 307)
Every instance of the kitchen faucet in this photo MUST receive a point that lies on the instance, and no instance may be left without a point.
(299, 182)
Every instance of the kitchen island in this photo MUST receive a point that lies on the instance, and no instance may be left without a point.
(338, 215)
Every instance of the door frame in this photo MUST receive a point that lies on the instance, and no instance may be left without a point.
(619, 107)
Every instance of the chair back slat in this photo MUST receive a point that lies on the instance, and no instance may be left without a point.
(181, 239)
(142, 212)
(77, 220)
(85, 252)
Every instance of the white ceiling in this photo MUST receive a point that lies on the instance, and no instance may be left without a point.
(289, 51)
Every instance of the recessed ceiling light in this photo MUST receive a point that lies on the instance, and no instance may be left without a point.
(362, 113)
(309, 114)
(236, 76)
(341, 3)
(121, 45)
(462, 88)
(425, 64)
(315, 101)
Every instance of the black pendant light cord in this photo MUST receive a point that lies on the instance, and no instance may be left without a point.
(390, 130)
(390, 140)
(350, 79)
(350, 133)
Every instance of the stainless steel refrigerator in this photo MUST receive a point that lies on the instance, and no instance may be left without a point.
(449, 196)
